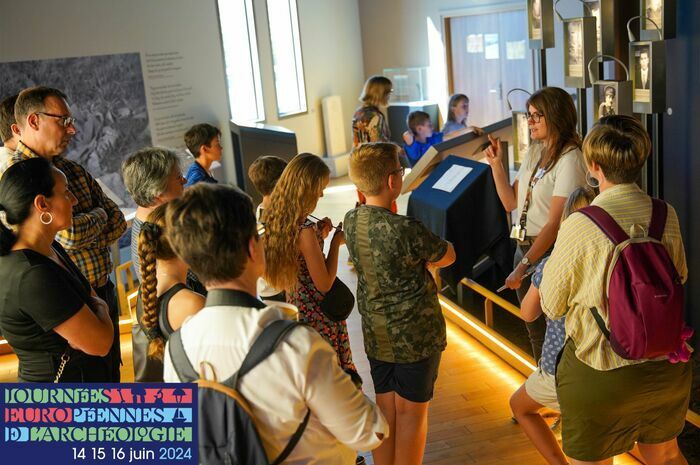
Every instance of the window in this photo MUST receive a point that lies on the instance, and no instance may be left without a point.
(241, 58)
(286, 56)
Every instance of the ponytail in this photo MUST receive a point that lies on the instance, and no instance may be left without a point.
(7, 237)
(149, 238)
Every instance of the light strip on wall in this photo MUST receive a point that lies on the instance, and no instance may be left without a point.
(458, 313)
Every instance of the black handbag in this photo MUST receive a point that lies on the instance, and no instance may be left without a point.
(338, 302)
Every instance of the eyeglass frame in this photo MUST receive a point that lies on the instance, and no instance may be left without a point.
(65, 120)
(401, 170)
(531, 116)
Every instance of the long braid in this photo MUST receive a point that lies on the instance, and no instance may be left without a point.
(148, 245)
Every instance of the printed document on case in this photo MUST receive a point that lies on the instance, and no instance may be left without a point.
(452, 177)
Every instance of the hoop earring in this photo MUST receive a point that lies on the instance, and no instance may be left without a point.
(591, 181)
(43, 221)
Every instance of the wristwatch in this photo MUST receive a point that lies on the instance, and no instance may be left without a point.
(525, 261)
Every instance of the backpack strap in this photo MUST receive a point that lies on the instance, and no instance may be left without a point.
(181, 362)
(606, 223)
(263, 346)
(659, 212)
(601, 324)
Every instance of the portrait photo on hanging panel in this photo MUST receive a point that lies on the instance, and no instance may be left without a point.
(574, 48)
(535, 19)
(642, 73)
(607, 96)
(594, 10)
(654, 11)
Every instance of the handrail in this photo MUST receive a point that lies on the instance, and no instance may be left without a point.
(492, 298)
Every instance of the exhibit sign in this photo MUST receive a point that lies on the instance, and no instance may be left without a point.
(110, 424)
(540, 24)
(107, 97)
(659, 14)
(611, 97)
(579, 48)
(648, 60)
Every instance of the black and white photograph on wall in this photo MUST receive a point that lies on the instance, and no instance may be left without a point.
(574, 34)
(107, 97)
(608, 101)
(654, 11)
(523, 134)
(536, 19)
(642, 73)
(594, 9)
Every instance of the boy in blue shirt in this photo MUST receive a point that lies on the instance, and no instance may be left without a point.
(420, 136)
(204, 143)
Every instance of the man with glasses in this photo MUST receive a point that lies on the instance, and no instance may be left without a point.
(46, 128)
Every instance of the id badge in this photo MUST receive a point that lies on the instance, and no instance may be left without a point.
(517, 233)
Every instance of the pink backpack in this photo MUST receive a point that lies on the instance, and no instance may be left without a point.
(644, 292)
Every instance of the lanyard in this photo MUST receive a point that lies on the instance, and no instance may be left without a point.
(536, 175)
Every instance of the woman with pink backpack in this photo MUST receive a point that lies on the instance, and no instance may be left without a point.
(616, 273)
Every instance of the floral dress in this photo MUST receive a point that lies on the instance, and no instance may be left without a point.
(308, 300)
(369, 125)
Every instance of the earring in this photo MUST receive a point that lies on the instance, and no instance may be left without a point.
(592, 181)
(45, 221)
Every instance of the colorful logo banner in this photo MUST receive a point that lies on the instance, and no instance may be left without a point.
(140, 423)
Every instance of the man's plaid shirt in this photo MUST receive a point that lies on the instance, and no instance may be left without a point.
(89, 239)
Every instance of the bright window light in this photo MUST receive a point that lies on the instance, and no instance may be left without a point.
(241, 58)
(286, 56)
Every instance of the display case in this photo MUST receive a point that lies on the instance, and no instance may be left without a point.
(657, 13)
(648, 62)
(540, 24)
(579, 48)
(409, 84)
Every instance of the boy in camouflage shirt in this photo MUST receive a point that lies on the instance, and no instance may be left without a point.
(402, 323)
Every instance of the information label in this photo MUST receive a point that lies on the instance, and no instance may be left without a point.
(142, 423)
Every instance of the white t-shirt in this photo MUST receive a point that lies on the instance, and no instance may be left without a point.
(302, 373)
(5, 157)
(560, 181)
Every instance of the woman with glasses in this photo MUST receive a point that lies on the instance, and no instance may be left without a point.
(553, 167)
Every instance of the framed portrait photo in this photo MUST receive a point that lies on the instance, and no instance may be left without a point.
(659, 12)
(579, 48)
(540, 23)
(612, 98)
(521, 138)
(648, 68)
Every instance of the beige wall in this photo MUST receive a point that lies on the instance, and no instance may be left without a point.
(395, 33)
(332, 54)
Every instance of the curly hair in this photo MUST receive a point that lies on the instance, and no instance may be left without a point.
(294, 197)
(153, 245)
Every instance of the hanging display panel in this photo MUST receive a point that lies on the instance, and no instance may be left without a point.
(521, 137)
(611, 97)
(604, 13)
(661, 13)
(540, 24)
(648, 60)
(579, 48)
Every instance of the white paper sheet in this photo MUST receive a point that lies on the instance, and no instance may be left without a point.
(452, 177)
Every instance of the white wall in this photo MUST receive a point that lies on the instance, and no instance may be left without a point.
(45, 29)
(332, 55)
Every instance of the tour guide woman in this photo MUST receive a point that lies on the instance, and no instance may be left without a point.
(553, 167)
(608, 403)
(49, 314)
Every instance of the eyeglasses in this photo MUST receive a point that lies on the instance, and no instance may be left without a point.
(535, 117)
(65, 120)
(401, 170)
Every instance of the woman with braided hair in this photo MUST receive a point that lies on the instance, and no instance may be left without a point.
(165, 301)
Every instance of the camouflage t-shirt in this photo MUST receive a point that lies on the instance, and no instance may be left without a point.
(401, 317)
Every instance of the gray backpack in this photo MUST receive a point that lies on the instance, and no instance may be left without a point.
(227, 431)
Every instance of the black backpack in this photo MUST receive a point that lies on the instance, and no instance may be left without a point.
(227, 431)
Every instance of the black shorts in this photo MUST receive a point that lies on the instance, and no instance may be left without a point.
(412, 381)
